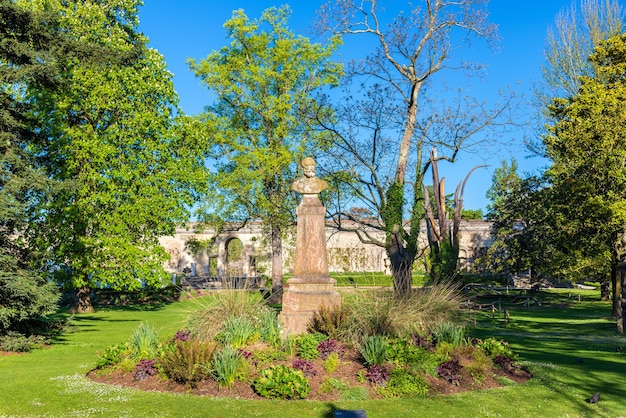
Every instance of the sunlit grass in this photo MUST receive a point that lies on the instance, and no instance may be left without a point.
(551, 340)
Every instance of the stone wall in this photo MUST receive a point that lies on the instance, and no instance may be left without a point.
(345, 251)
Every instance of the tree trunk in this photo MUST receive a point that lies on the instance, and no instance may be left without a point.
(605, 291)
(401, 266)
(617, 296)
(277, 266)
(82, 301)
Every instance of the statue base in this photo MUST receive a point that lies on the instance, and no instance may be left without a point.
(302, 297)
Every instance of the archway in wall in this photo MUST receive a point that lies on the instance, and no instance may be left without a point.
(234, 257)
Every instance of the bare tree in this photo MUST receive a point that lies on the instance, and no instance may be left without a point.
(570, 42)
(384, 135)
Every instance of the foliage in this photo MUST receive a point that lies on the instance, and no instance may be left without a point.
(236, 331)
(404, 351)
(13, 341)
(331, 384)
(403, 384)
(331, 364)
(270, 327)
(258, 119)
(426, 342)
(181, 335)
(377, 375)
(447, 332)
(329, 320)
(112, 355)
(374, 350)
(306, 345)
(450, 370)
(327, 347)
(126, 168)
(281, 382)
(188, 362)
(226, 362)
(144, 343)
(305, 366)
(144, 369)
(355, 393)
(494, 348)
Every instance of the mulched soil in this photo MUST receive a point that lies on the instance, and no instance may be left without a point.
(348, 372)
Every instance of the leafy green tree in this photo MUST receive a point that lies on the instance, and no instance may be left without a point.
(257, 128)
(383, 137)
(587, 147)
(128, 171)
(29, 46)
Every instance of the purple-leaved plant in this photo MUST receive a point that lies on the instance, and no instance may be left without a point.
(327, 347)
(145, 369)
(450, 370)
(306, 367)
(377, 375)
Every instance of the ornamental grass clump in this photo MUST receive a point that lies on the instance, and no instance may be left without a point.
(226, 363)
(374, 350)
(144, 343)
(380, 312)
(237, 331)
(447, 332)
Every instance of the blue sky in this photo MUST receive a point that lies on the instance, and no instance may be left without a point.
(193, 28)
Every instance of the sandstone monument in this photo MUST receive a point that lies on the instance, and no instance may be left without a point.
(311, 286)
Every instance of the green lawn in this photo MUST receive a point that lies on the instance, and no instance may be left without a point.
(549, 339)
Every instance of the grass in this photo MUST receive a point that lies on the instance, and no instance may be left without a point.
(549, 339)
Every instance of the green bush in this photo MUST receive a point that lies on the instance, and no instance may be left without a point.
(403, 351)
(306, 345)
(330, 385)
(374, 350)
(188, 361)
(494, 348)
(112, 355)
(226, 362)
(403, 384)
(281, 382)
(144, 343)
(270, 327)
(331, 364)
(17, 342)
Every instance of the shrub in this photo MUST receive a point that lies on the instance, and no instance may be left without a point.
(331, 364)
(236, 331)
(330, 321)
(377, 375)
(450, 370)
(306, 345)
(264, 357)
(281, 382)
(327, 347)
(479, 363)
(144, 343)
(188, 361)
(226, 362)
(402, 351)
(112, 355)
(17, 342)
(426, 342)
(403, 384)
(144, 369)
(447, 332)
(374, 350)
(306, 367)
(495, 348)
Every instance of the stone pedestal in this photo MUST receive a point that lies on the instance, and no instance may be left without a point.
(311, 286)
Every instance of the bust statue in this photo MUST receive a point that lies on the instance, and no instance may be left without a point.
(309, 183)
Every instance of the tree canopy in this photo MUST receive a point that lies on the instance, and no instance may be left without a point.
(258, 128)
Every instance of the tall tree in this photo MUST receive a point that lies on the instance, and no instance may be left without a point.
(30, 46)
(587, 147)
(257, 128)
(383, 138)
(128, 172)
